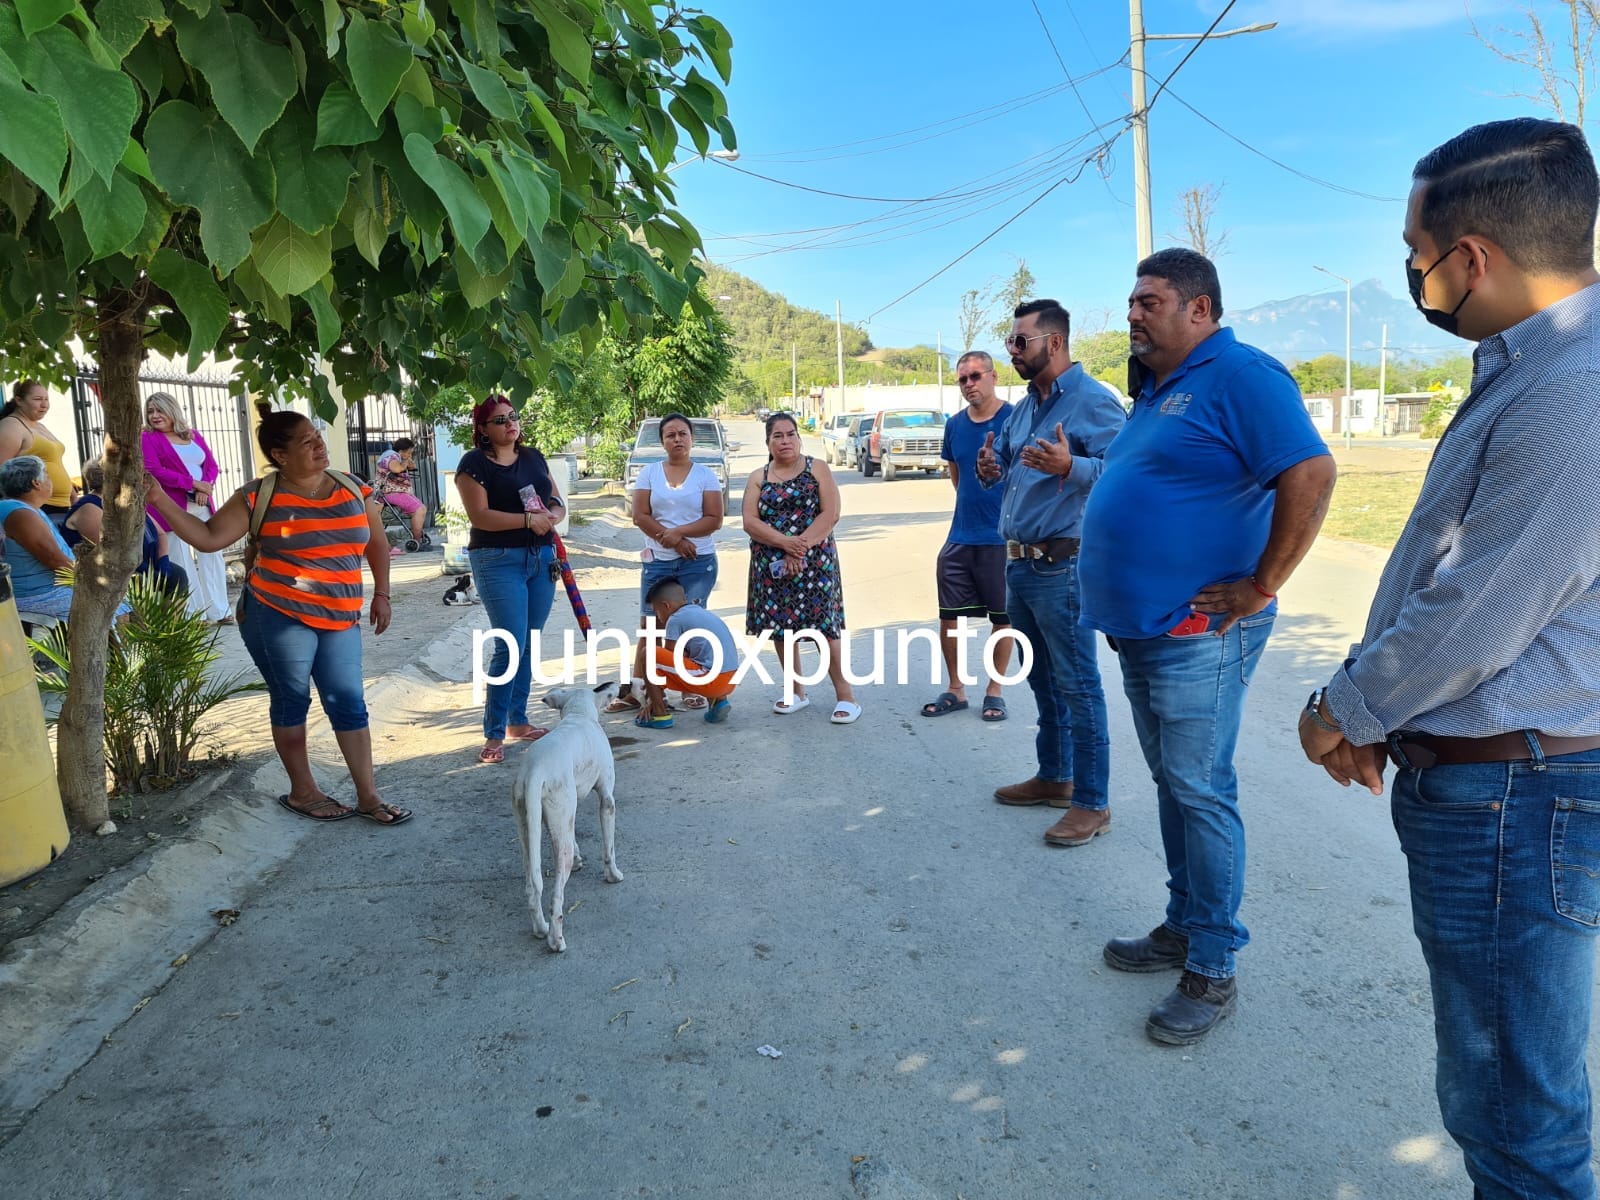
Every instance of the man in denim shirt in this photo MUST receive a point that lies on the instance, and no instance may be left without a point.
(1208, 501)
(1479, 671)
(1049, 453)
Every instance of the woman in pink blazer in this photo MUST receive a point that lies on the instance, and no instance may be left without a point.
(176, 454)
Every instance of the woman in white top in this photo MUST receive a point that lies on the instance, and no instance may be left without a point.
(677, 505)
(176, 454)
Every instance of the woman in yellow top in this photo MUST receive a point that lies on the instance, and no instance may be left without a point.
(22, 432)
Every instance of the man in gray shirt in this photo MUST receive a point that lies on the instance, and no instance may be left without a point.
(1479, 671)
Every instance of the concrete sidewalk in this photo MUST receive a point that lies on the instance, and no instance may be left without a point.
(381, 1020)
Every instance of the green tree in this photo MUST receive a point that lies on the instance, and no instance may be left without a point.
(1017, 287)
(976, 307)
(1104, 356)
(399, 193)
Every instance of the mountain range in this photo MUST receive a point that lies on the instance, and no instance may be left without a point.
(1304, 327)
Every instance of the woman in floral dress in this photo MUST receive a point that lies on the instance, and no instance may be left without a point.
(790, 509)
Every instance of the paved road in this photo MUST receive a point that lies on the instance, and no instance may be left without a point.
(381, 1022)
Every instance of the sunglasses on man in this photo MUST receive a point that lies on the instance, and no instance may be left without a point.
(1016, 343)
(963, 380)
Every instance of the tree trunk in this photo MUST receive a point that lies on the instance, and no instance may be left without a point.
(102, 576)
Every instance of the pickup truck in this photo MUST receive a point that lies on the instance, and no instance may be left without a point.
(834, 436)
(905, 439)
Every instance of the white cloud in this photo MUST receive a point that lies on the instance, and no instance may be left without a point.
(1357, 17)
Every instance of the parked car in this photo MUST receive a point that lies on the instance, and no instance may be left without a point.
(708, 448)
(834, 436)
(860, 431)
(905, 439)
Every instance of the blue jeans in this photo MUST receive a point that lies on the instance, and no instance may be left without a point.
(290, 654)
(1073, 743)
(1505, 899)
(516, 588)
(1187, 696)
(697, 575)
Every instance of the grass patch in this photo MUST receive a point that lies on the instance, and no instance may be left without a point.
(1372, 506)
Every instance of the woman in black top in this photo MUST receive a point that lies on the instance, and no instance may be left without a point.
(514, 508)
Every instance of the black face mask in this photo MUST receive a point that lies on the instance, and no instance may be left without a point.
(1434, 316)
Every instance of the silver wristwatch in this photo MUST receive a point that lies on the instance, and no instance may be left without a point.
(1313, 707)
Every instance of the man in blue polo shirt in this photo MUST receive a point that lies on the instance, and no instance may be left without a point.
(1209, 500)
(1049, 454)
(971, 573)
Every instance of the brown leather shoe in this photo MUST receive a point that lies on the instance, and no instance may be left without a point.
(1079, 827)
(1036, 791)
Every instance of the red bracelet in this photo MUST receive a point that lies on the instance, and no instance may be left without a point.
(1261, 590)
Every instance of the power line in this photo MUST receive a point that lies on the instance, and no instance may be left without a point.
(1065, 179)
(800, 187)
(1047, 37)
(1309, 178)
(1152, 101)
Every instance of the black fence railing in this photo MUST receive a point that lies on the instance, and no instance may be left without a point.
(373, 424)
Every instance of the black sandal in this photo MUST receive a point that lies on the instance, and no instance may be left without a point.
(994, 708)
(310, 813)
(391, 815)
(946, 703)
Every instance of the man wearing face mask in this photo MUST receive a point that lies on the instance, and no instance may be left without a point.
(1210, 498)
(1479, 671)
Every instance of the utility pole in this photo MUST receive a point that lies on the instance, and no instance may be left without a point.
(838, 328)
(941, 372)
(1383, 378)
(1348, 398)
(794, 374)
(1140, 119)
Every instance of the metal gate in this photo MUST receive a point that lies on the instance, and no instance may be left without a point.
(375, 422)
(212, 402)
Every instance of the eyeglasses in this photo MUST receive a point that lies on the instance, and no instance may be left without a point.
(1018, 342)
(963, 380)
(502, 421)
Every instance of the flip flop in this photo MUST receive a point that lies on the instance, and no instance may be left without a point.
(492, 754)
(846, 712)
(994, 708)
(533, 736)
(783, 708)
(391, 815)
(622, 704)
(946, 703)
(645, 721)
(718, 712)
(694, 702)
(341, 815)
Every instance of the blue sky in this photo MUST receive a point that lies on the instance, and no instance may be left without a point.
(1352, 91)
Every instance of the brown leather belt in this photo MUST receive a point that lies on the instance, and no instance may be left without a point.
(1423, 750)
(1053, 551)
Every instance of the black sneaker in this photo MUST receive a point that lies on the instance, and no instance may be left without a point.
(1195, 1005)
(1161, 950)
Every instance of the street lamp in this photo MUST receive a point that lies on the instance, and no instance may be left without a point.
(1347, 397)
(724, 155)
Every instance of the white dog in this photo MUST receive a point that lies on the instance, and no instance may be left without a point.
(565, 764)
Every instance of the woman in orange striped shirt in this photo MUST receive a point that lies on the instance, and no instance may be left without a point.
(301, 609)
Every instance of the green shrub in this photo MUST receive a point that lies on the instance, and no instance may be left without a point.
(1438, 414)
(157, 686)
(607, 459)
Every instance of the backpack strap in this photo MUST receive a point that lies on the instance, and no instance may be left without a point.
(266, 487)
(349, 482)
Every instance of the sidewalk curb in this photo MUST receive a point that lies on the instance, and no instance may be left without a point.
(71, 983)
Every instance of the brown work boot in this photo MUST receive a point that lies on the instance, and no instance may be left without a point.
(1036, 791)
(1079, 827)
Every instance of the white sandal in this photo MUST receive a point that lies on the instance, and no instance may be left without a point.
(783, 708)
(846, 712)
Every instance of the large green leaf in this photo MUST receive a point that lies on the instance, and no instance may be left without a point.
(480, 290)
(98, 105)
(469, 215)
(251, 79)
(32, 137)
(528, 179)
(312, 183)
(41, 14)
(569, 44)
(341, 121)
(112, 216)
(377, 57)
(477, 22)
(290, 259)
(194, 289)
(200, 162)
(716, 41)
(329, 327)
(370, 232)
(332, 21)
(122, 22)
(491, 92)
(547, 121)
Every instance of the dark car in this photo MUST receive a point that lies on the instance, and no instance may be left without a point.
(860, 432)
(708, 449)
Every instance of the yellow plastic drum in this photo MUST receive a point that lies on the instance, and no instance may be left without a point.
(33, 828)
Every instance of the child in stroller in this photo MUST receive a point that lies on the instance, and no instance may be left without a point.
(403, 513)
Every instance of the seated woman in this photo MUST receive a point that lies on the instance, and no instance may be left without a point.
(34, 548)
(86, 517)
